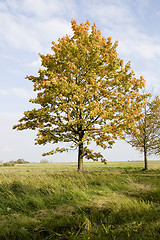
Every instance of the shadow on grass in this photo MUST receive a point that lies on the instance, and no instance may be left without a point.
(67, 208)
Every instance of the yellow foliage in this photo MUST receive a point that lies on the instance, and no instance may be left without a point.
(83, 86)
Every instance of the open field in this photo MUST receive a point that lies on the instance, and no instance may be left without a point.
(54, 201)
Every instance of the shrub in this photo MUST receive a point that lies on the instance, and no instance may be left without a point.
(20, 161)
(8, 164)
(44, 161)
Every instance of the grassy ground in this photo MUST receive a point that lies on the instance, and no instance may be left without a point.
(54, 201)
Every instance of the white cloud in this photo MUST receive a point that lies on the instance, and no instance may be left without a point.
(135, 43)
(18, 92)
(9, 116)
(3, 92)
(28, 24)
(43, 8)
(3, 7)
(46, 8)
(15, 33)
(152, 80)
(6, 149)
(111, 14)
(7, 120)
(36, 63)
(51, 30)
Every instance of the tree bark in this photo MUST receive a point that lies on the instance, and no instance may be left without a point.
(145, 159)
(80, 157)
(145, 142)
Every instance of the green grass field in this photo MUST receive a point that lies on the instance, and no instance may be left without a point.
(54, 201)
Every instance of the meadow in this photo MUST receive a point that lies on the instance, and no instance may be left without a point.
(48, 201)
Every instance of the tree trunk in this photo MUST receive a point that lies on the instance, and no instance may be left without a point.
(80, 157)
(145, 141)
(145, 159)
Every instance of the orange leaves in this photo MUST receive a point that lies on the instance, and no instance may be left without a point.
(121, 62)
(81, 29)
(109, 40)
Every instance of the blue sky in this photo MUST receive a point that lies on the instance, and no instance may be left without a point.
(28, 27)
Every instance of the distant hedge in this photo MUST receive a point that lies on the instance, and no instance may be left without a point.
(12, 163)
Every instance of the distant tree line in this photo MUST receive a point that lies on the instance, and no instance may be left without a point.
(18, 161)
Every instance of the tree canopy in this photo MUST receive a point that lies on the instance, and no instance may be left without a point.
(85, 93)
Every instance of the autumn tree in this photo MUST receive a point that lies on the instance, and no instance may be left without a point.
(85, 93)
(147, 137)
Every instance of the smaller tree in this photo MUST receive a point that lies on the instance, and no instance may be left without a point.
(147, 137)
